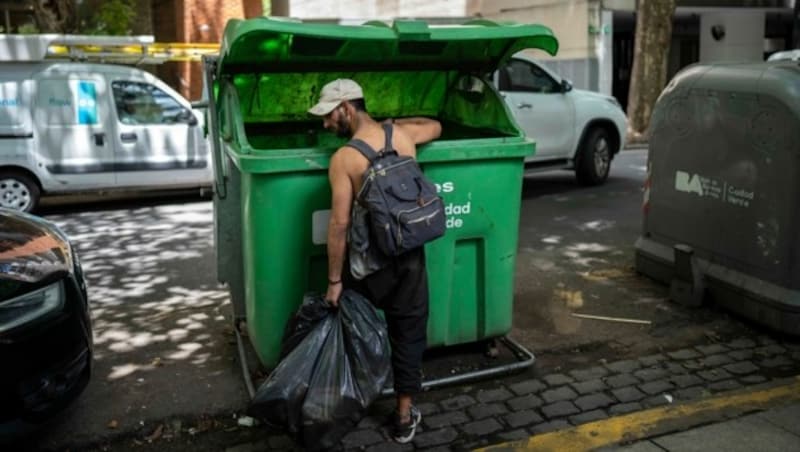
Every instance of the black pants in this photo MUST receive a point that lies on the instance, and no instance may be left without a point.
(401, 291)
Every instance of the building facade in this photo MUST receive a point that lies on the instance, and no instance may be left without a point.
(194, 21)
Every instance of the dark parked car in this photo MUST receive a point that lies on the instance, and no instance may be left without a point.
(45, 328)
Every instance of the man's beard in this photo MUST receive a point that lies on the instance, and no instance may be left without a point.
(343, 129)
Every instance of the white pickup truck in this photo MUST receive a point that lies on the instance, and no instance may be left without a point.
(574, 129)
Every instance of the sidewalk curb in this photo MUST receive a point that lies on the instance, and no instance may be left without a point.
(659, 421)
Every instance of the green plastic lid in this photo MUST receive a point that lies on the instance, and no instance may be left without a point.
(271, 45)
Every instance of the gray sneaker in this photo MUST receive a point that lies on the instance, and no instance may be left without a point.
(404, 431)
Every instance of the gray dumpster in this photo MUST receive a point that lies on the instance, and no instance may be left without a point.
(721, 210)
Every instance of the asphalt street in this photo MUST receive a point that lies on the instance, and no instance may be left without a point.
(165, 354)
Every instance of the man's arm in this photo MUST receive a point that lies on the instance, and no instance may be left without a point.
(341, 203)
(420, 129)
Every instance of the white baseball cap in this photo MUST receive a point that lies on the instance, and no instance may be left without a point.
(334, 93)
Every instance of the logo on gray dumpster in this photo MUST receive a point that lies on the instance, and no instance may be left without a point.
(706, 187)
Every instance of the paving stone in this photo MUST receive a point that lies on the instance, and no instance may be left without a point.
(777, 361)
(624, 367)
(482, 411)
(440, 449)
(753, 379)
(446, 419)
(522, 418)
(482, 427)
(457, 403)
(684, 354)
(741, 343)
(390, 446)
(770, 350)
(559, 394)
(741, 355)
(675, 368)
(590, 402)
(248, 447)
(362, 438)
(589, 416)
(281, 442)
(684, 381)
(589, 374)
(628, 394)
(652, 360)
(693, 393)
(514, 435)
(712, 349)
(714, 375)
(726, 385)
(551, 426)
(624, 408)
(796, 356)
(494, 395)
(435, 437)
(693, 364)
(373, 421)
(656, 387)
(619, 381)
(650, 374)
(589, 387)
(525, 402)
(557, 379)
(527, 387)
(742, 368)
(428, 409)
(793, 346)
(560, 409)
(717, 360)
(655, 401)
(765, 340)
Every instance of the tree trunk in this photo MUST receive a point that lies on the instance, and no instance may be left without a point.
(649, 73)
(56, 16)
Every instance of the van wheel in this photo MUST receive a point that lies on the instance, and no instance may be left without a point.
(594, 160)
(18, 191)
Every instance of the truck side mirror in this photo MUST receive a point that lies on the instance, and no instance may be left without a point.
(188, 117)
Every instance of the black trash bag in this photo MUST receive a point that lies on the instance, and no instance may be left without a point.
(322, 388)
(312, 311)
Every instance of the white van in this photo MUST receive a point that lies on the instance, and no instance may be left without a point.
(67, 127)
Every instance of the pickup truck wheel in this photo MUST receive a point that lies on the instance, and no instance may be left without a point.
(594, 160)
(18, 191)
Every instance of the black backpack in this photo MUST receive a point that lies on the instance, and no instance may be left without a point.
(405, 211)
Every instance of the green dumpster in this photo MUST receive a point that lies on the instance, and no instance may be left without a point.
(272, 197)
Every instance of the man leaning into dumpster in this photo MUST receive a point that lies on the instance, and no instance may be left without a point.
(400, 286)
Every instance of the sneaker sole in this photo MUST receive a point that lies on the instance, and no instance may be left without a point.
(407, 439)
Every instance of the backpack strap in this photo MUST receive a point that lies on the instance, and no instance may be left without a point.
(387, 147)
(362, 147)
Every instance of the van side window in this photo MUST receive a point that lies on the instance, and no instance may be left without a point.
(143, 103)
(523, 76)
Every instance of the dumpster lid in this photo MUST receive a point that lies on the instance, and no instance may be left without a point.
(288, 45)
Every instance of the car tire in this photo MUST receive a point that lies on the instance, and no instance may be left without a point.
(594, 158)
(18, 191)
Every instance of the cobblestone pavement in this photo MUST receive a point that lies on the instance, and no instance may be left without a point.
(517, 407)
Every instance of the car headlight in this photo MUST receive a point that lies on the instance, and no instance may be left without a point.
(31, 306)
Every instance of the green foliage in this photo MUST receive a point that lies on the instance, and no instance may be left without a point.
(112, 17)
(28, 29)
